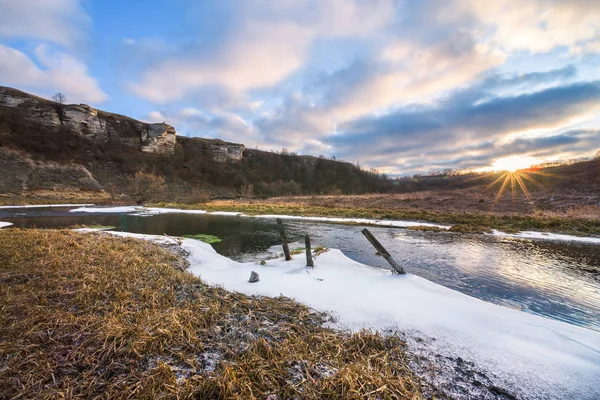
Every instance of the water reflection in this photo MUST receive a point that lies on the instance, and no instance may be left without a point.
(557, 280)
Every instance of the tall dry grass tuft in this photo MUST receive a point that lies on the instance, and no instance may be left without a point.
(90, 316)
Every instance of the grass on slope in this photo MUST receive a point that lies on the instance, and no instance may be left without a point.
(92, 316)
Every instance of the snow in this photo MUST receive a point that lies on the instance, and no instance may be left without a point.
(547, 236)
(227, 213)
(136, 210)
(534, 356)
(146, 211)
(5, 224)
(362, 221)
(156, 210)
(108, 210)
(47, 205)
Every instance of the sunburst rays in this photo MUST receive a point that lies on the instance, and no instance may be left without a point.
(517, 180)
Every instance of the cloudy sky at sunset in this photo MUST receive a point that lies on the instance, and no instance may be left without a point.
(402, 86)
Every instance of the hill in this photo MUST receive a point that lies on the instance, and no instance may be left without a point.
(51, 146)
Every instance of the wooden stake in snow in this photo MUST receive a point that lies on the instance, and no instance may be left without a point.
(388, 257)
(309, 259)
(284, 241)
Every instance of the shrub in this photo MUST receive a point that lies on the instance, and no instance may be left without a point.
(148, 186)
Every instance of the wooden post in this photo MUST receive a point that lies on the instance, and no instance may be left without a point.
(309, 258)
(388, 257)
(286, 248)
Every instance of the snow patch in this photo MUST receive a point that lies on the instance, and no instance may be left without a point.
(108, 210)
(534, 356)
(146, 211)
(362, 221)
(156, 210)
(226, 213)
(547, 236)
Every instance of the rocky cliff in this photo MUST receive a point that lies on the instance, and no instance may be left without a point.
(103, 127)
(214, 149)
(94, 124)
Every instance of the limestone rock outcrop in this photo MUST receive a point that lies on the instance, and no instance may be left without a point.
(215, 149)
(94, 124)
(104, 127)
(158, 139)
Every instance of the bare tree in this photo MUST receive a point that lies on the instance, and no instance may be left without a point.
(59, 98)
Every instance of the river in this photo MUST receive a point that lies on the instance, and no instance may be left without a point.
(559, 280)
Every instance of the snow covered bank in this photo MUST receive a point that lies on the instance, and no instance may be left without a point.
(108, 210)
(47, 205)
(5, 224)
(536, 357)
(362, 221)
(547, 236)
(139, 210)
(155, 211)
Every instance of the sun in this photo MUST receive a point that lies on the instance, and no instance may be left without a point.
(514, 163)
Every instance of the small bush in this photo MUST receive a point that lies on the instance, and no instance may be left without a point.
(148, 186)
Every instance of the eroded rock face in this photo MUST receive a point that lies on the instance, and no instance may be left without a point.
(28, 174)
(104, 127)
(94, 124)
(215, 149)
(158, 139)
(84, 120)
(229, 151)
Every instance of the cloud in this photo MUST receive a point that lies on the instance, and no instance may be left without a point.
(535, 25)
(60, 21)
(266, 46)
(194, 122)
(464, 132)
(57, 72)
(49, 33)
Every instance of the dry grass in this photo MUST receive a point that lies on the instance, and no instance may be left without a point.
(591, 212)
(55, 197)
(89, 316)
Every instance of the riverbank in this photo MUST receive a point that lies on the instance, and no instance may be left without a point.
(87, 315)
(582, 220)
(461, 222)
(477, 349)
(165, 333)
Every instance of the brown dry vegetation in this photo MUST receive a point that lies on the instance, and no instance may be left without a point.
(58, 197)
(89, 316)
(578, 205)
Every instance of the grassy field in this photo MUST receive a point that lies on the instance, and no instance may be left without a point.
(89, 316)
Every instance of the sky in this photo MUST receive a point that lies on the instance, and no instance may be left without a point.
(402, 86)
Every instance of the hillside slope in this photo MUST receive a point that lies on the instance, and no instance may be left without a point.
(89, 149)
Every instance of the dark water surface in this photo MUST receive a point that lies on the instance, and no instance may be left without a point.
(558, 280)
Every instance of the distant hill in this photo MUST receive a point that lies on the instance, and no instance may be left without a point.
(580, 176)
(51, 146)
